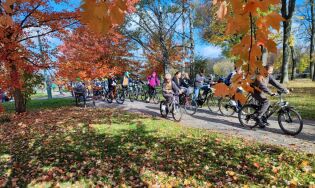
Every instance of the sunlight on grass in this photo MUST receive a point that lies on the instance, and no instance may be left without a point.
(107, 147)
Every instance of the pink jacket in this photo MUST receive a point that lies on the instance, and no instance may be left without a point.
(153, 81)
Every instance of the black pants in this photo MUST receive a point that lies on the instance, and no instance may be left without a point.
(262, 99)
(151, 90)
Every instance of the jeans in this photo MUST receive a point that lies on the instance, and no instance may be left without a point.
(263, 101)
(197, 90)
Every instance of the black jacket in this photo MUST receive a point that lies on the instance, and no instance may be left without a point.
(176, 81)
(185, 82)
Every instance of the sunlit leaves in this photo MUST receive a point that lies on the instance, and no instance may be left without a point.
(101, 16)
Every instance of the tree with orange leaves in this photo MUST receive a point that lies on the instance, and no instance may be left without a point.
(253, 20)
(88, 55)
(19, 21)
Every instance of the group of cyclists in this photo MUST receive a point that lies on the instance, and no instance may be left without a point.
(181, 91)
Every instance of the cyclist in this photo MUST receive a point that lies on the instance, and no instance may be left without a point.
(112, 83)
(153, 81)
(126, 80)
(199, 82)
(169, 89)
(261, 87)
(186, 83)
(229, 81)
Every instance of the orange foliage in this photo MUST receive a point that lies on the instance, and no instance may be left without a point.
(155, 56)
(88, 56)
(101, 16)
(242, 17)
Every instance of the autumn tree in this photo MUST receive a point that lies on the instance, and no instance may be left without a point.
(88, 55)
(253, 20)
(19, 21)
(155, 21)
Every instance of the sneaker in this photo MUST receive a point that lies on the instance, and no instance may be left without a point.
(260, 122)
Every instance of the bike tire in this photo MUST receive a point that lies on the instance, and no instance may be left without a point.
(164, 113)
(177, 112)
(213, 103)
(246, 114)
(191, 105)
(120, 97)
(132, 96)
(225, 108)
(289, 111)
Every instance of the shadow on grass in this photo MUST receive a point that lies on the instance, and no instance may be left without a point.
(103, 147)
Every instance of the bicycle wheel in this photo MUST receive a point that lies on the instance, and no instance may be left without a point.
(247, 114)
(177, 112)
(132, 96)
(120, 98)
(290, 121)
(213, 103)
(225, 107)
(163, 109)
(190, 105)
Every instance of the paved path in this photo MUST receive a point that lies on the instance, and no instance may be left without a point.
(305, 141)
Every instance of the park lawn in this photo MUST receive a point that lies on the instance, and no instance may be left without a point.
(39, 95)
(41, 104)
(304, 103)
(76, 147)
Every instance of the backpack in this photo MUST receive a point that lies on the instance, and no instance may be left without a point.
(227, 80)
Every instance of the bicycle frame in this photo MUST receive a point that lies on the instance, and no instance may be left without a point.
(277, 106)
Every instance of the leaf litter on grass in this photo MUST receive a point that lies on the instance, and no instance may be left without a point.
(108, 147)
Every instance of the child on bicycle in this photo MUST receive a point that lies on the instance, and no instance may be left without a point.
(112, 83)
(261, 87)
(169, 89)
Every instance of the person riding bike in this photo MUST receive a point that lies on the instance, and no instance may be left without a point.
(112, 83)
(199, 83)
(261, 87)
(186, 83)
(153, 81)
(169, 89)
(126, 80)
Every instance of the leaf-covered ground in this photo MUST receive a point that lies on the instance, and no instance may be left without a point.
(104, 147)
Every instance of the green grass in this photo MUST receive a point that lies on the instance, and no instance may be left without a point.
(304, 104)
(38, 95)
(41, 104)
(74, 147)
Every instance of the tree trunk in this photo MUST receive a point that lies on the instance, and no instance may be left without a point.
(191, 41)
(20, 101)
(183, 36)
(286, 52)
(312, 64)
(294, 63)
(287, 10)
(165, 58)
(19, 97)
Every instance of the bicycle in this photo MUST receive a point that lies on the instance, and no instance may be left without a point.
(187, 101)
(152, 97)
(207, 97)
(286, 113)
(115, 94)
(174, 107)
(80, 97)
(129, 92)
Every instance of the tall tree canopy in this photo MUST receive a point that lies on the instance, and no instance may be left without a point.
(88, 55)
(19, 21)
